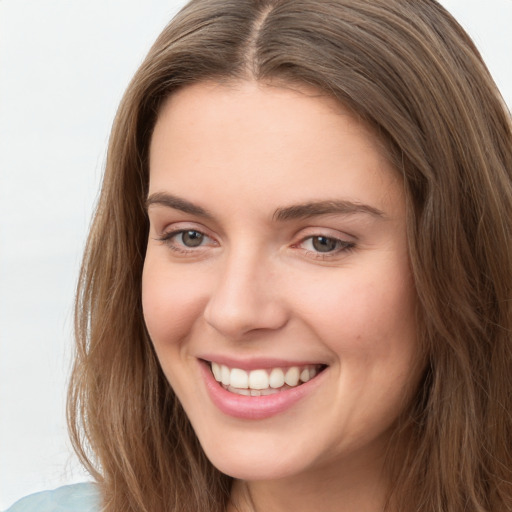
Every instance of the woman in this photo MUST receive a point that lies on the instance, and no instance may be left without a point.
(296, 290)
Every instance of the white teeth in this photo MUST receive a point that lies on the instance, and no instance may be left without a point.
(276, 379)
(258, 379)
(225, 375)
(304, 375)
(239, 379)
(253, 392)
(292, 376)
(262, 382)
(216, 372)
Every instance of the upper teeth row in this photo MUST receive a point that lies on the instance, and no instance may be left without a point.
(262, 379)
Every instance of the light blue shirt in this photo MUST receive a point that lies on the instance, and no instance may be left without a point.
(71, 498)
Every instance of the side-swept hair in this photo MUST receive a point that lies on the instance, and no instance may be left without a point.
(407, 69)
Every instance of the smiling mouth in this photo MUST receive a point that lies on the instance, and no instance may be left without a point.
(263, 382)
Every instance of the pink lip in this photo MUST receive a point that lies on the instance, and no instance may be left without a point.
(255, 407)
(254, 363)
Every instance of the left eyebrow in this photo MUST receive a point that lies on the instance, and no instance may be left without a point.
(313, 208)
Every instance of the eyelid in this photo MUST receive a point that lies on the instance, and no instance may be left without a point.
(312, 231)
(344, 245)
(180, 226)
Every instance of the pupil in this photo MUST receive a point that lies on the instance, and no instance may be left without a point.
(192, 238)
(324, 244)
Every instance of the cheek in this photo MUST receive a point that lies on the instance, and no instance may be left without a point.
(365, 316)
(369, 326)
(171, 303)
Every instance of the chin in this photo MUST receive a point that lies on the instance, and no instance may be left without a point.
(257, 456)
(253, 467)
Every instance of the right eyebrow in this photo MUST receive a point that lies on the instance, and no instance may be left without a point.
(177, 203)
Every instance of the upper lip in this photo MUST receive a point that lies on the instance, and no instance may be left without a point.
(256, 363)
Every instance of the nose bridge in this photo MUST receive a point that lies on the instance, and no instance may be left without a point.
(245, 297)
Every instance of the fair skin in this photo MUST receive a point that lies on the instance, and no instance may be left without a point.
(278, 241)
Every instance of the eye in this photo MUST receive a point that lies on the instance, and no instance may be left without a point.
(324, 243)
(186, 240)
(190, 238)
(321, 244)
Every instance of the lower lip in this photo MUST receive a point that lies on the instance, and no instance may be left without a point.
(255, 407)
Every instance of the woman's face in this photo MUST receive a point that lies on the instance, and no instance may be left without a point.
(277, 252)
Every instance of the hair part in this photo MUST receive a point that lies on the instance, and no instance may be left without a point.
(411, 73)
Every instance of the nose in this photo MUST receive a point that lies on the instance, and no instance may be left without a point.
(246, 298)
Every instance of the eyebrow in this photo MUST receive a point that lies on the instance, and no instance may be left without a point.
(293, 212)
(177, 203)
(313, 208)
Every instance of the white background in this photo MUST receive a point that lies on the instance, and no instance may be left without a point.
(63, 67)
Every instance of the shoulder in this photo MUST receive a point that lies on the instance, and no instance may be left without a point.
(71, 498)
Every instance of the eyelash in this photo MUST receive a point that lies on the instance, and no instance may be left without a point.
(167, 239)
(344, 246)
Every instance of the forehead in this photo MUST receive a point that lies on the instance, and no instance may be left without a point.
(262, 140)
(278, 103)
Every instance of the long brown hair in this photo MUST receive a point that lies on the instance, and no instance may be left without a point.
(407, 69)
